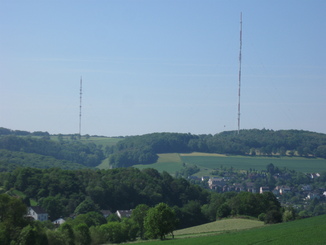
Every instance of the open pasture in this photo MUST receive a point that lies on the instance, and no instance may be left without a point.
(219, 226)
(300, 232)
(307, 165)
(170, 162)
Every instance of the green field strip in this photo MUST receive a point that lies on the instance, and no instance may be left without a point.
(301, 232)
(170, 162)
(307, 165)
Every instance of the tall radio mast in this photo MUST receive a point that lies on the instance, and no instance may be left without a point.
(80, 104)
(239, 73)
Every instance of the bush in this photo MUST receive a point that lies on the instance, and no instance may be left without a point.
(273, 217)
(262, 217)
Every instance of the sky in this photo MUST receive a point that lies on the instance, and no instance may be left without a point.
(162, 66)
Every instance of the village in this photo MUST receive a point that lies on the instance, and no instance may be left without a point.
(291, 188)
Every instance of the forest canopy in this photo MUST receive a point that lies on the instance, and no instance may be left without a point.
(144, 149)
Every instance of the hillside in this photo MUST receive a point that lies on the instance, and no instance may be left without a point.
(208, 162)
(301, 232)
(144, 149)
(10, 160)
(218, 227)
(90, 151)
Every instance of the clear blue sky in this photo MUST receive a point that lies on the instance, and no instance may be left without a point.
(162, 66)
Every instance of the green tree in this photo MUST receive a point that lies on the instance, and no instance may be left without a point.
(68, 233)
(160, 221)
(321, 151)
(53, 206)
(113, 232)
(223, 211)
(138, 215)
(12, 211)
(55, 237)
(90, 219)
(273, 216)
(83, 236)
(288, 215)
(86, 206)
(33, 234)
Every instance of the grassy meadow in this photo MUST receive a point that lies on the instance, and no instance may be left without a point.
(211, 161)
(105, 164)
(172, 162)
(301, 232)
(104, 141)
(218, 227)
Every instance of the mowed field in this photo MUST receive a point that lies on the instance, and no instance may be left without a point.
(218, 227)
(172, 162)
(301, 232)
(211, 161)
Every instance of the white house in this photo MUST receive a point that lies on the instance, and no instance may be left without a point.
(263, 189)
(37, 213)
(124, 213)
(59, 221)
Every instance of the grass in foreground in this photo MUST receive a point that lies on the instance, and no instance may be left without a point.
(301, 232)
(220, 226)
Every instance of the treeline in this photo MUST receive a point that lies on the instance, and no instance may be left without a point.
(6, 131)
(10, 160)
(89, 154)
(144, 149)
(153, 196)
(61, 192)
(145, 222)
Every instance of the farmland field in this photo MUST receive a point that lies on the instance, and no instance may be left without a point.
(301, 164)
(300, 232)
(172, 162)
(169, 162)
(218, 227)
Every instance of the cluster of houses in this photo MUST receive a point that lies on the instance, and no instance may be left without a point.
(38, 213)
(223, 184)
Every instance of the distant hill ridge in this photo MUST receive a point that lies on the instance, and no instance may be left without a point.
(143, 149)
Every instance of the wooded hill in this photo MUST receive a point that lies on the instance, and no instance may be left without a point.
(65, 192)
(30, 150)
(143, 149)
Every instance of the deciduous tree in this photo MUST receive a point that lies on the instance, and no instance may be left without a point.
(160, 221)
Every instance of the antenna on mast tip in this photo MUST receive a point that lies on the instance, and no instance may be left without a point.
(239, 73)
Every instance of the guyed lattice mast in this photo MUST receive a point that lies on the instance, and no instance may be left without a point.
(239, 89)
(80, 104)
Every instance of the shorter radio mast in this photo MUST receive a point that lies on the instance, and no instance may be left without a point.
(80, 104)
(239, 73)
